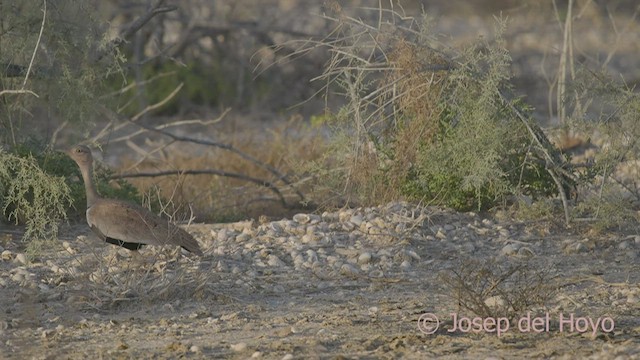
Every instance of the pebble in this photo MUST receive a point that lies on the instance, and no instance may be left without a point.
(356, 220)
(494, 301)
(6, 255)
(510, 249)
(405, 265)
(349, 270)
(364, 258)
(302, 218)
(525, 252)
(275, 261)
(239, 347)
(20, 259)
(441, 235)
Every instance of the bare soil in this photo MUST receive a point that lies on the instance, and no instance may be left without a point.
(279, 290)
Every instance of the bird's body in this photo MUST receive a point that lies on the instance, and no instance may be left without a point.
(125, 224)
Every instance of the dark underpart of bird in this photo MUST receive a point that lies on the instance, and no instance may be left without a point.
(125, 224)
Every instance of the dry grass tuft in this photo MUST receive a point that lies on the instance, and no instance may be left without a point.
(498, 289)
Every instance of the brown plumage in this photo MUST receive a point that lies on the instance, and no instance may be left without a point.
(125, 224)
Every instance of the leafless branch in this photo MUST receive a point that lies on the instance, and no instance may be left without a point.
(157, 105)
(233, 175)
(134, 27)
(231, 149)
(35, 49)
(5, 92)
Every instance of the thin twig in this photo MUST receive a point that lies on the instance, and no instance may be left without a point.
(157, 105)
(134, 27)
(228, 174)
(35, 50)
(3, 92)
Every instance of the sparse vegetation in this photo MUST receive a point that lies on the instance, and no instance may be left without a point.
(498, 288)
(513, 126)
(421, 126)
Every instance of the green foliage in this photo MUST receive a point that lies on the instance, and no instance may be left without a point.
(40, 200)
(65, 73)
(31, 195)
(427, 128)
(204, 85)
(481, 152)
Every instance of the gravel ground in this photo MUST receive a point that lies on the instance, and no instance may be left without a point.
(349, 284)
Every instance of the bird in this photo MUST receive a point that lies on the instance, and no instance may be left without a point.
(122, 223)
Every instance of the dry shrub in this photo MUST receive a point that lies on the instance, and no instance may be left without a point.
(417, 104)
(498, 288)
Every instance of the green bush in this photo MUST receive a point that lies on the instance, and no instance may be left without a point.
(32, 196)
(40, 187)
(419, 125)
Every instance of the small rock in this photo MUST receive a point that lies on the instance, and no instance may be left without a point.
(487, 222)
(526, 252)
(195, 349)
(6, 255)
(20, 259)
(364, 258)
(348, 226)
(67, 246)
(48, 333)
(441, 235)
(356, 220)
(405, 265)
(239, 347)
(307, 238)
(222, 235)
(448, 227)
(349, 270)
(302, 218)
(494, 302)
(287, 357)
(509, 249)
(467, 247)
(623, 245)
(275, 261)
(312, 256)
(256, 355)
(412, 254)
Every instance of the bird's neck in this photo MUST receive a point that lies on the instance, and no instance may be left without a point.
(87, 177)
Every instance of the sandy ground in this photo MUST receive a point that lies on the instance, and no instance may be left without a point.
(351, 284)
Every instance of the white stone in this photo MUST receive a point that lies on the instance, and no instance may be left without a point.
(364, 258)
(239, 347)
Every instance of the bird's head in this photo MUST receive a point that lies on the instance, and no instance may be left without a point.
(81, 154)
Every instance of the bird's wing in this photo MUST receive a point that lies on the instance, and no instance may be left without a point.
(134, 224)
